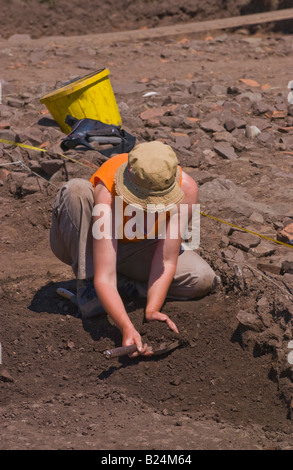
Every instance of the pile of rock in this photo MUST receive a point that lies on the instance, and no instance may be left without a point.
(229, 137)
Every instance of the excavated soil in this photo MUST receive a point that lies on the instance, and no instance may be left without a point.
(221, 100)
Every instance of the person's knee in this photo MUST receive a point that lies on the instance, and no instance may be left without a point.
(72, 206)
(78, 189)
(203, 285)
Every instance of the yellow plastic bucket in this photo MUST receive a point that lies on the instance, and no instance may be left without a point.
(90, 97)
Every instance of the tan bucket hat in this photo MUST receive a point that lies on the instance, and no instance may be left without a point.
(151, 176)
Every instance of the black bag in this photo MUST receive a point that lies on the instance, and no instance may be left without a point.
(86, 130)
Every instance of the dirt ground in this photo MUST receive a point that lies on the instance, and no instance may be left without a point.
(221, 100)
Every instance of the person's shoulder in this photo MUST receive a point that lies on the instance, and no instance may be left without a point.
(188, 183)
(101, 194)
(189, 187)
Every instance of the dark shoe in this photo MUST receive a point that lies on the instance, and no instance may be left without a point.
(127, 288)
(87, 301)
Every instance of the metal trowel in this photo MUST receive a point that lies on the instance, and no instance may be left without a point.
(66, 294)
(163, 348)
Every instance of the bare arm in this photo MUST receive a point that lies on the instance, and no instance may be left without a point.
(165, 259)
(105, 277)
(162, 272)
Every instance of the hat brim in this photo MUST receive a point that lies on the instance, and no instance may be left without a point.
(138, 195)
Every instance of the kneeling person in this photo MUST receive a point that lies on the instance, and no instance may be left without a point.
(129, 258)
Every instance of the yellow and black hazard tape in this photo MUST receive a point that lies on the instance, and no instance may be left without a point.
(18, 144)
(246, 230)
(31, 147)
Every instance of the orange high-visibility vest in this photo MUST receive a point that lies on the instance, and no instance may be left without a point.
(106, 174)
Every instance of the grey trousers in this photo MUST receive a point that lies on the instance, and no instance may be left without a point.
(71, 242)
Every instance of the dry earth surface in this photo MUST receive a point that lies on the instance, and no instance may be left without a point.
(221, 100)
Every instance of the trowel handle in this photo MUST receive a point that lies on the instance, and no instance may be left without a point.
(122, 351)
(64, 293)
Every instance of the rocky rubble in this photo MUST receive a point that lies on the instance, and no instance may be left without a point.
(235, 138)
(38, 18)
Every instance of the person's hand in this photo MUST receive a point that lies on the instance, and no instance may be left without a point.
(156, 315)
(131, 336)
